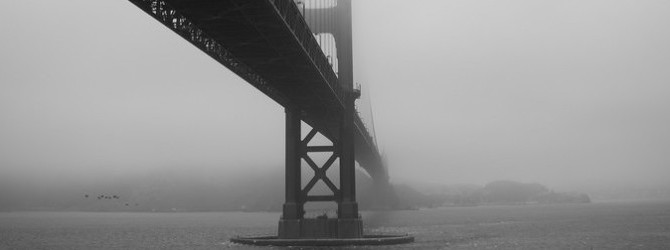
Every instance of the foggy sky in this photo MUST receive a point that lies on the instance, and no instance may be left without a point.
(559, 92)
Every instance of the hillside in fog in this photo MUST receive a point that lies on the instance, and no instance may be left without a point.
(172, 190)
(176, 190)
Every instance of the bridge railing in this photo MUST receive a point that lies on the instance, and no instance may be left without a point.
(296, 22)
(360, 125)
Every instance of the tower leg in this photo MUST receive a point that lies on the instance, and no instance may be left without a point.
(350, 223)
(292, 211)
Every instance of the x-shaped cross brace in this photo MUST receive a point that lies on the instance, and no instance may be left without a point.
(319, 172)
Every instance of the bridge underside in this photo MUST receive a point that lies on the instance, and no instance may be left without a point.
(268, 43)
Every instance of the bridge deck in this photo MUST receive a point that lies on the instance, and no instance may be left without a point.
(268, 43)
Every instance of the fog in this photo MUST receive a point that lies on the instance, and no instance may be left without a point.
(565, 93)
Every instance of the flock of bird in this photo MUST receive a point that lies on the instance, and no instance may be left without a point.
(108, 197)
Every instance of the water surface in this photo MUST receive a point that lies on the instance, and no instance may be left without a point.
(615, 225)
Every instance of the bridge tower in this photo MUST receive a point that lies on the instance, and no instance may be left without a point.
(272, 45)
(348, 223)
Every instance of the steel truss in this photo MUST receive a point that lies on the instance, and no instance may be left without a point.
(319, 172)
(188, 30)
(318, 110)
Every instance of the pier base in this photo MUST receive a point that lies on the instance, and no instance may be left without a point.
(325, 242)
(320, 228)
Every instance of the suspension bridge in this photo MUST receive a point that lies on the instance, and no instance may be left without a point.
(299, 53)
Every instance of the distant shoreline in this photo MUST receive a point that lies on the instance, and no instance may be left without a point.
(594, 202)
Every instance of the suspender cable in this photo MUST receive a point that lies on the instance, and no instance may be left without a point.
(334, 32)
(330, 31)
(321, 24)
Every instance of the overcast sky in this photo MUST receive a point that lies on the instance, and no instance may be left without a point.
(560, 92)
